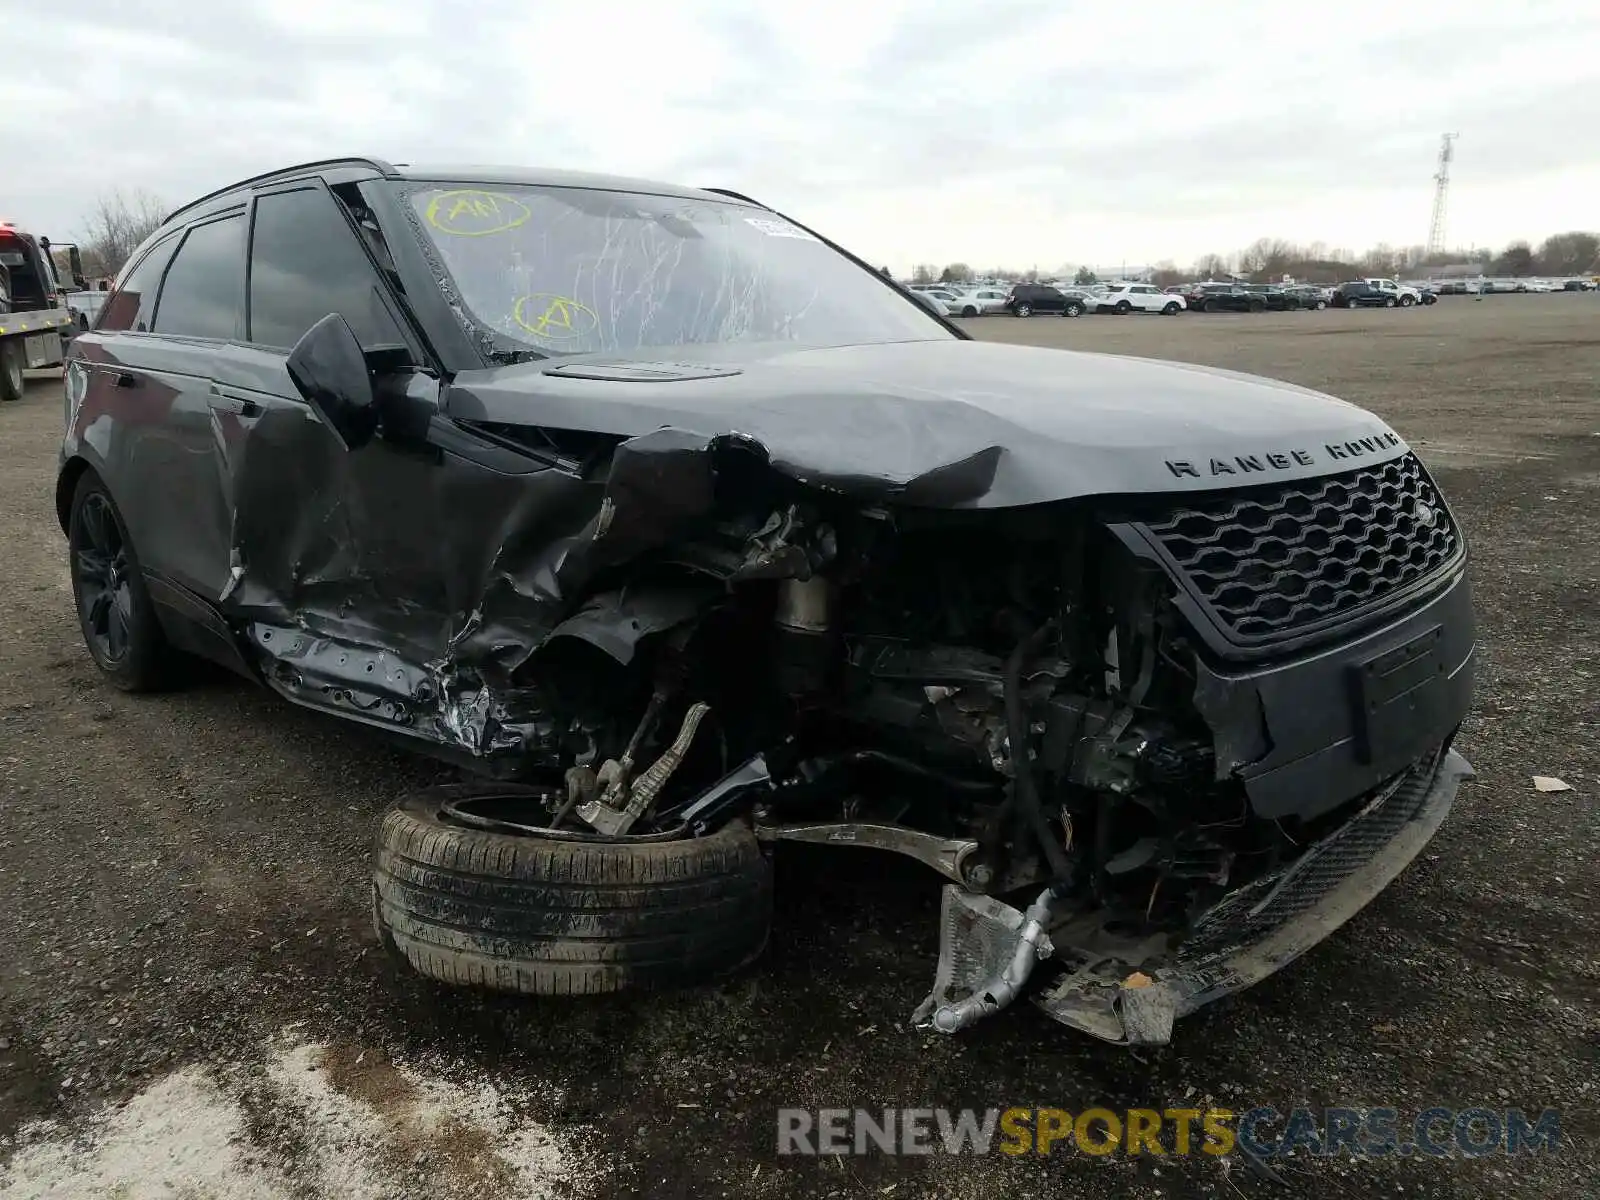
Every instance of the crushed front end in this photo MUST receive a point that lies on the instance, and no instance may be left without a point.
(1156, 745)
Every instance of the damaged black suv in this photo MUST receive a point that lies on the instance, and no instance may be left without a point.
(689, 533)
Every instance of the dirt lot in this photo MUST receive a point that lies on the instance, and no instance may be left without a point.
(183, 899)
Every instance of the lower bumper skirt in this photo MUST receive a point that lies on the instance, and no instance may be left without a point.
(1269, 923)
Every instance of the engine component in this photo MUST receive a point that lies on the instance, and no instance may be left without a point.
(807, 645)
(707, 810)
(602, 816)
(987, 953)
(951, 857)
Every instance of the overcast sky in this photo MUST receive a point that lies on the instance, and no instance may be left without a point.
(998, 132)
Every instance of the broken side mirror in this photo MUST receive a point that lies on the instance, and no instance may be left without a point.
(329, 369)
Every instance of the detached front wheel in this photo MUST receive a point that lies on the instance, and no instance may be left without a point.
(469, 891)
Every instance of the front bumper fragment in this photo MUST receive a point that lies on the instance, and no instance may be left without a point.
(1133, 999)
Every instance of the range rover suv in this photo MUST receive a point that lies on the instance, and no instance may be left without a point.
(686, 534)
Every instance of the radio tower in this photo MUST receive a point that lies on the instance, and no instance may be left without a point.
(1441, 193)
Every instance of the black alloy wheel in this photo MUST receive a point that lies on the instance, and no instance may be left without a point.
(119, 624)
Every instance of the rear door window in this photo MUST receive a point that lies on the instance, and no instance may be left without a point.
(131, 305)
(203, 295)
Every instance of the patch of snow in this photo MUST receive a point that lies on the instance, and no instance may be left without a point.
(362, 1129)
(180, 1137)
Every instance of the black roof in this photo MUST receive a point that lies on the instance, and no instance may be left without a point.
(356, 168)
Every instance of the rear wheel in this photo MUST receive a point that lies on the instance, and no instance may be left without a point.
(1072, 309)
(119, 623)
(11, 382)
(1024, 310)
(1205, 306)
(1406, 301)
(1321, 304)
(1258, 306)
(468, 890)
(1389, 302)
(969, 311)
(1171, 310)
(1123, 308)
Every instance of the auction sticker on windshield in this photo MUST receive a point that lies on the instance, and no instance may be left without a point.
(780, 229)
(468, 212)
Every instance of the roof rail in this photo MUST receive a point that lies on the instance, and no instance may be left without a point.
(377, 164)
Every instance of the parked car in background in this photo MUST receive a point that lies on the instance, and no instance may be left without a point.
(932, 303)
(1307, 295)
(1225, 297)
(1029, 298)
(1276, 296)
(975, 302)
(1403, 296)
(1359, 293)
(945, 296)
(1124, 298)
(85, 307)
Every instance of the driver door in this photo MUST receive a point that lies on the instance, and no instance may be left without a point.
(328, 539)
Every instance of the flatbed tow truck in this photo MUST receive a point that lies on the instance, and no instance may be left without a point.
(34, 317)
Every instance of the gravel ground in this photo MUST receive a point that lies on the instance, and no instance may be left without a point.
(191, 1002)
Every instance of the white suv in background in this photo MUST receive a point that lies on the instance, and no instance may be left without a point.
(1138, 297)
(1404, 295)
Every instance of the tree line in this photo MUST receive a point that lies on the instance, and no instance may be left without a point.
(122, 220)
(1574, 253)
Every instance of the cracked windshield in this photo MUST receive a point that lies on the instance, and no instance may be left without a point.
(556, 270)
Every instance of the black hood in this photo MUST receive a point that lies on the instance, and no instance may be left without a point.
(948, 422)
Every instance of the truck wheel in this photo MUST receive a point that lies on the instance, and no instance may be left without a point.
(11, 382)
(118, 620)
(466, 898)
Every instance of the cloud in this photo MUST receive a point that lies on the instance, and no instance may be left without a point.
(1013, 131)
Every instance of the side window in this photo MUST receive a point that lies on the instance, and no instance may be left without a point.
(204, 287)
(131, 305)
(305, 263)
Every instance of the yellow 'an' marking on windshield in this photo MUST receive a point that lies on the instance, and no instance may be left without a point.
(561, 317)
(468, 212)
